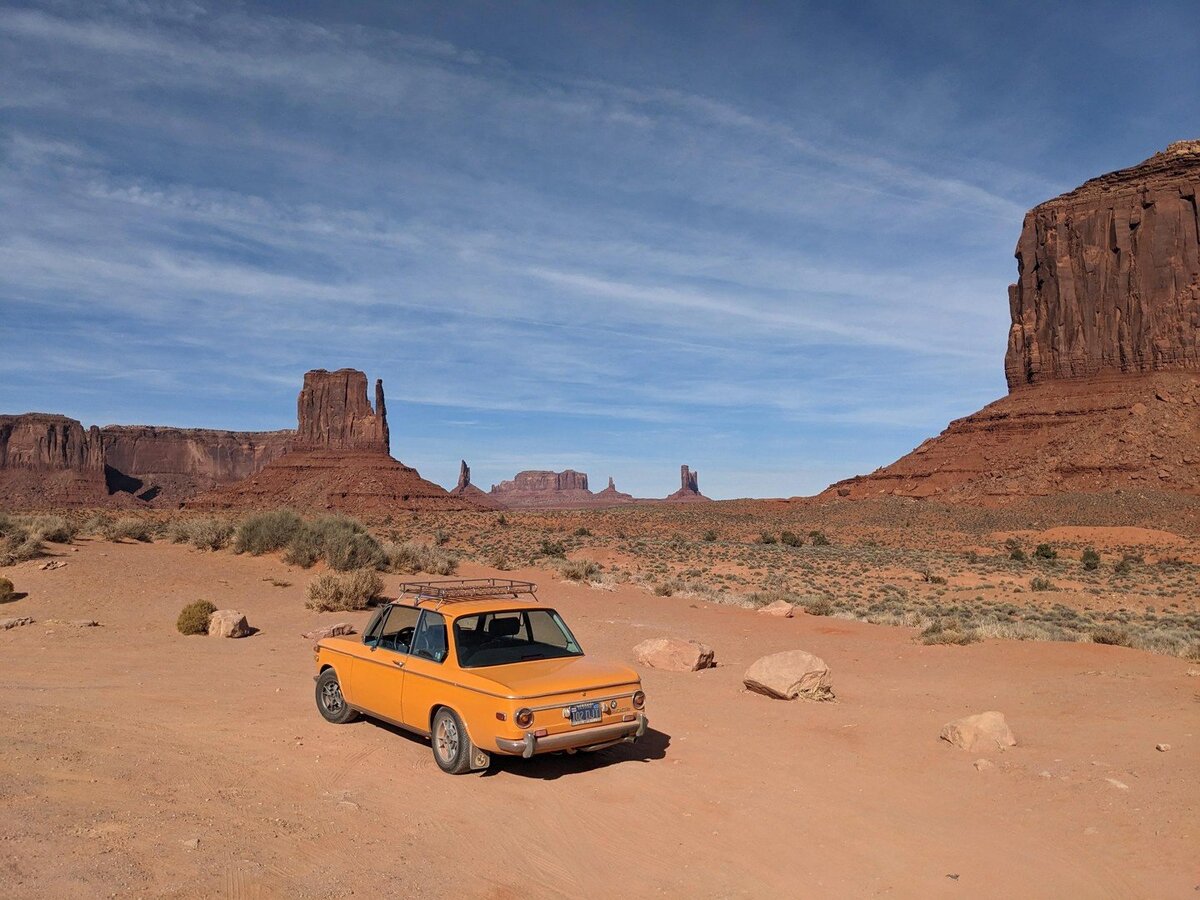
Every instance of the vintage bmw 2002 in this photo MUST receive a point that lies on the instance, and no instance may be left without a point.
(482, 668)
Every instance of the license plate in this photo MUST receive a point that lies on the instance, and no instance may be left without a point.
(582, 713)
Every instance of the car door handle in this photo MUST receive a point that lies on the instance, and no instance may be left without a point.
(398, 662)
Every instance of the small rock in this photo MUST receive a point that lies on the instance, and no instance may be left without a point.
(982, 765)
(84, 623)
(192, 843)
(674, 655)
(52, 564)
(1044, 774)
(985, 731)
(780, 608)
(329, 631)
(1193, 673)
(228, 623)
(1117, 784)
(15, 622)
(1162, 748)
(790, 674)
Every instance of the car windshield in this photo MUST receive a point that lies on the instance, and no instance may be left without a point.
(512, 636)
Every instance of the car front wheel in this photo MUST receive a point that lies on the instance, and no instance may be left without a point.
(330, 702)
(452, 749)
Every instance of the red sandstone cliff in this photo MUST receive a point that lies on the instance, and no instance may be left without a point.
(467, 490)
(49, 460)
(689, 488)
(1103, 360)
(1109, 275)
(333, 413)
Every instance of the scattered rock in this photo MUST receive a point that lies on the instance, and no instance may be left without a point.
(985, 731)
(1193, 673)
(780, 608)
(192, 843)
(982, 765)
(228, 623)
(329, 631)
(15, 622)
(52, 564)
(1162, 748)
(674, 655)
(790, 674)
(1117, 784)
(83, 623)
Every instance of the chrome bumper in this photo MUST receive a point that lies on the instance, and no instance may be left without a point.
(585, 739)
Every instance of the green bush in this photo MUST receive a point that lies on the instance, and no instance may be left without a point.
(819, 539)
(579, 570)
(129, 528)
(1110, 634)
(710, 535)
(331, 592)
(582, 532)
(766, 538)
(343, 543)
(948, 632)
(1090, 559)
(209, 533)
(20, 545)
(1045, 552)
(6, 590)
(266, 532)
(818, 606)
(55, 529)
(553, 549)
(1041, 584)
(791, 539)
(410, 558)
(193, 618)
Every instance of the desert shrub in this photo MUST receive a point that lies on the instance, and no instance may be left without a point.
(791, 539)
(1090, 559)
(1045, 552)
(972, 557)
(819, 539)
(331, 592)
(193, 618)
(343, 543)
(553, 549)
(20, 545)
(6, 590)
(209, 533)
(818, 606)
(582, 532)
(1041, 584)
(55, 529)
(1124, 566)
(940, 631)
(929, 578)
(129, 528)
(440, 537)
(502, 520)
(1112, 635)
(412, 557)
(266, 532)
(664, 589)
(710, 535)
(579, 570)
(497, 560)
(766, 538)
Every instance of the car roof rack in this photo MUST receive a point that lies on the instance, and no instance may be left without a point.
(454, 589)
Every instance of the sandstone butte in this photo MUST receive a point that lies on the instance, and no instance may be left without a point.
(466, 489)
(689, 488)
(1103, 359)
(340, 459)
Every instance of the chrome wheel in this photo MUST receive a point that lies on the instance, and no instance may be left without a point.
(331, 697)
(445, 739)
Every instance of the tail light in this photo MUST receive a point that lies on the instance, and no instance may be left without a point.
(639, 699)
(524, 717)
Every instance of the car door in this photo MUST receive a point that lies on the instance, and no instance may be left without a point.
(425, 679)
(378, 675)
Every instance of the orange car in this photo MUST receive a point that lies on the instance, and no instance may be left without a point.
(480, 667)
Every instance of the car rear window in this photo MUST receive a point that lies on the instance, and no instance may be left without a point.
(512, 636)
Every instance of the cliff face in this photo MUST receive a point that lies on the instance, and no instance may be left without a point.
(536, 481)
(175, 463)
(50, 460)
(689, 487)
(1109, 275)
(467, 490)
(333, 413)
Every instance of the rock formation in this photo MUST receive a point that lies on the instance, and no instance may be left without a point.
(1109, 275)
(543, 489)
(173, 464)
(50, 460)
(464, 488)
(611, 496)
(689, 487)
(339, 461)
(1102, 364)
(333, 413)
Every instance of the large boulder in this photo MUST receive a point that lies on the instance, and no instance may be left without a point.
(791, 674)
(674, 655)
(780, 608)
(985, 731)
(228, 623)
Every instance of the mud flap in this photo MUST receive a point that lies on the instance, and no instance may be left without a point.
(479, 759)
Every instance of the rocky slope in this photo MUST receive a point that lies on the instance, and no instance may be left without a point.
(1103, 360)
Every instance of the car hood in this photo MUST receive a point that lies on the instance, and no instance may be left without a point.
(545, 677)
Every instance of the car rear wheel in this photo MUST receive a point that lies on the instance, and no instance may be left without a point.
(330, 702)
(452, 748)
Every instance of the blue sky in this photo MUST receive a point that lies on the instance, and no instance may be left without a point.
(771, 241)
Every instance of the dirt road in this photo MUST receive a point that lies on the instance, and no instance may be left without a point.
(138, 762)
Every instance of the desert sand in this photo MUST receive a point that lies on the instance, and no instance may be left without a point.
(140, 762)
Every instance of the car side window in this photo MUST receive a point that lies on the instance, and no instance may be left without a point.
(398, 628)
(430, 639)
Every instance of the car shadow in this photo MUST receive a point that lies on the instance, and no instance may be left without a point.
(649, 747)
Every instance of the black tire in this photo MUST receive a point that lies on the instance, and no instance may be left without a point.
(330, 702)
(452, 747)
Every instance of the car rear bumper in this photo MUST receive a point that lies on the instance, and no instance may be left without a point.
(584, 739)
